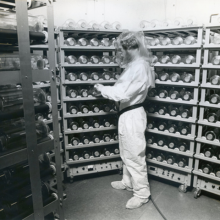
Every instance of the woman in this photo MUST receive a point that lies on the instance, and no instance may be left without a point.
(130, 91)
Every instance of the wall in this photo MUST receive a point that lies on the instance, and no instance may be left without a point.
(131, 12)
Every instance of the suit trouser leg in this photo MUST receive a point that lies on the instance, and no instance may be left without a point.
(132, 143)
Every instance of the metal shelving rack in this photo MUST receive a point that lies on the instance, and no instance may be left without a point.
(26, 76)
(203, 181)
(92, 165)
(173, 172)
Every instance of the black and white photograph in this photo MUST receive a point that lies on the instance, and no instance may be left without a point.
(109, 109)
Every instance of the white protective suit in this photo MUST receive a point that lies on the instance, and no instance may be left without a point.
(130, 89)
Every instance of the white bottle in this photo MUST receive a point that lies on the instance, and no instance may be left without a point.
(82, 24)
(191, 21)
(94, 25)
(179, 22)
(106, 25)
(155, 24)
(116, 25)
(70, 23)
(145, 24)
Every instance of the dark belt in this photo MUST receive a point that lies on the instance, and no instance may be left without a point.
(129, 108)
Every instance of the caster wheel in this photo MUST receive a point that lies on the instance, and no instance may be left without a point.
(197, 193)
(182, 188)
(71, 179)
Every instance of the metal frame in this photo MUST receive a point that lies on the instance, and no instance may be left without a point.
(161, 167)
(64, 99)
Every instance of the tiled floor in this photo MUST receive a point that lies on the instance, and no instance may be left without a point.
(93, 198)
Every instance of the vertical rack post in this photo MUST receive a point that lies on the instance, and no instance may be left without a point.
(28, 103)
(52, 52)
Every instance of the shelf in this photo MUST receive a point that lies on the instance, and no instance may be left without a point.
(88, 82)
(198, 156)
(71, 147)
(211, 46)
(93, 160)
(175, 151)
(212, 26)
(208, 85)
(89, 130)
(86, 48)
(68, 115)
(208, 104)
(91, 31)
(180, 83)
(170, 65)
(42, 85)
(168, 117)
(203, 140)
(39, 47)
(210, 66)
(168, 99)
(205, 122)
(90, 65)
(67, 99)
(13, 77)
(95, 171)
(170, 166)
(21, 155)
(171, 47)
(206, 175)
(171, 29)
(47, 210)
(176, 135)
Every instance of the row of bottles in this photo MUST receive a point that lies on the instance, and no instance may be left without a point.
(90, 138)
(186, 94)
(91, 107)
(88, 123)
(13, 134)
(186, 77)
(212, 114)
(210, 151)
(12, 98)
(12, 62)
(173, 110)
(85, 76)
(177, 40)
(171, 23)
(174, 59)
(213, 96)
(211, 133)
(70, 23)
(93, 59)
(15, 192)
(170, 158)
(97, 152)
(214, 79)
(210, 168)
(171, 126)
(73, 41)
(170, 142)
(81, 91)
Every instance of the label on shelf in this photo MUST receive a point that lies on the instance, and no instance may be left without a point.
(200, 170)
(164, 161)
(90, 166)
(175, 164)
(90, 127)
(102, 141)
(212, 174)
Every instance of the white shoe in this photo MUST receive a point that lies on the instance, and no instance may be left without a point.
(120, 185)
(136, 202)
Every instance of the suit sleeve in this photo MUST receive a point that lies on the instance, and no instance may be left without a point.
(125, 89)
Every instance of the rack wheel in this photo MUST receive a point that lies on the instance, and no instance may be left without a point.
(183, 188)
(120, 171)
(197, 193)
(71, 179)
